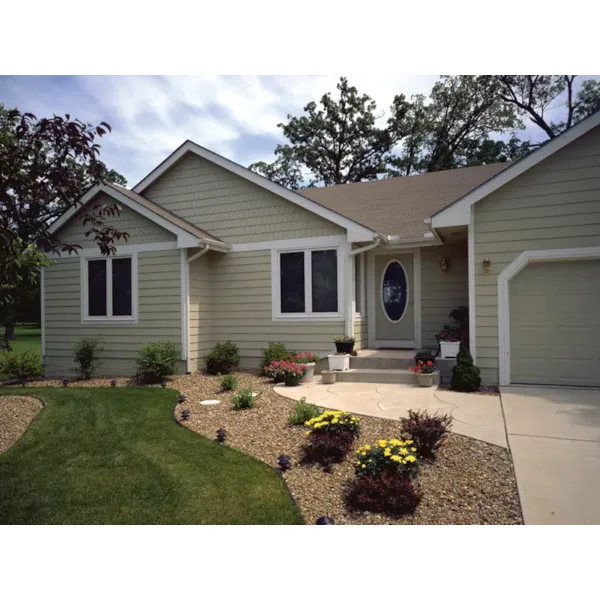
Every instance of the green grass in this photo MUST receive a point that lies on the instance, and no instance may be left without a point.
(102, 455)
(27, 339)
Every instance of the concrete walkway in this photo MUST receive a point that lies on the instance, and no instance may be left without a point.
(477, 416)
(554, 437)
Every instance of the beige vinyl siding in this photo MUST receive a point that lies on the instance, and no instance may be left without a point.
(230, 207)
(159, 316)
(200, 310)
(241, 310)
(361, 328)
(140, 229)
(442, 291)
(554, 205)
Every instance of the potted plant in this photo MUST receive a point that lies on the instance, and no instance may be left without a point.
(449, 340)
(309, 360)
(461, 316)
(424, 372)
(291, 372)
(424, 355)
(344, 344)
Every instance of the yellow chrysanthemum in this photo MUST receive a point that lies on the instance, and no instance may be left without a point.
(411, 458)
(308, 433)
(363, 453)
(387, 452)
(403, 451)
(382, 443)
(413, 449)
(335, 421)
(364, 466)
(367, 446)
(395, 458)
(409, 442)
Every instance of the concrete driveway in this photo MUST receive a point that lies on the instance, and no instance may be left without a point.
(554, 437)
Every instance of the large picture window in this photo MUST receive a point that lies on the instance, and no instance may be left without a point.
(109, 288)
(307, 282)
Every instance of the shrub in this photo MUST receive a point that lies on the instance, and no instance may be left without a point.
(275, 351)
(21, 365)
(303, 412)
(86, 353)
(223, 359)
(387, 456)
(157, 360)
(426, 430)
(243, 399)
(334, 421)
(283, 370)
(327, 448)
(228, 382)
(389, 493)
(465, 375)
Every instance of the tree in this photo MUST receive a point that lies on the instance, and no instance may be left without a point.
(461, 114)
(46, 165)
(534, 96)
(336, 141)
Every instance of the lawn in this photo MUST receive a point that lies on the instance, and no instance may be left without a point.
(27, 339)
(117, 456)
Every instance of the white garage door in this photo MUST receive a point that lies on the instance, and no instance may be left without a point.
(555, 323)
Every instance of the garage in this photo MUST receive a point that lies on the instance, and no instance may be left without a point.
(555, 323)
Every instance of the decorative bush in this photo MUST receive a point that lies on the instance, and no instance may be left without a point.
(303, 412)
(327, 448)
(275, 351)
(387, 456)
(466, 376)
(448, 334)
(21, 365)
(426, 430)
(157, 360)
(288, 371)
(243, 399)
(223, 359)
(86, 353)
(422, 368)
(389, 493)
(228, 382)
(334, 421)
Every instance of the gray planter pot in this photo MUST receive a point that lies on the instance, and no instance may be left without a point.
(425, 379)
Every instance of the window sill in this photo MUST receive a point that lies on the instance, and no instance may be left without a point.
(109, 320)
(304, 318)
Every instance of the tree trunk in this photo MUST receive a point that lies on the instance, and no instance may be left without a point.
(9, 326)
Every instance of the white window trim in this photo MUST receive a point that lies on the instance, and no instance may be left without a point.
(85, 317)
(358, 314)
(509, 273)
(276, 286)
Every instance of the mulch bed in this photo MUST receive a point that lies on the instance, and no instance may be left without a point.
(16, 413)
(471, 482)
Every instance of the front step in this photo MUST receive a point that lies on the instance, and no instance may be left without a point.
(379, 376)
(374, 362)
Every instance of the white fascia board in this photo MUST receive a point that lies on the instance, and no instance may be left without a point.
(363, 234)
(184, 238)
(458, 213)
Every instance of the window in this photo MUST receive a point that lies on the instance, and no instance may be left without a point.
(307, 283)
(109, 289)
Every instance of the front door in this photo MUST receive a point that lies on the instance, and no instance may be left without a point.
(394, 301)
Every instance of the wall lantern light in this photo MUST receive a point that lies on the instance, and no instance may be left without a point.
(487, 265)
(444, 264)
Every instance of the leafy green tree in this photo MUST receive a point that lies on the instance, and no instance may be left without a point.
(46, 165)
(335, 141)
(535, 96)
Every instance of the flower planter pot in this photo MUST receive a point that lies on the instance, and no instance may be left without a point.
(339, 362)
(449, 349)
(328, 377)
(291, 380)
(310, 373)
(425, 379)
(344, 347)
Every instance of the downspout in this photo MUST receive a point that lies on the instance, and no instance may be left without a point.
(191, 259)
(350, 300)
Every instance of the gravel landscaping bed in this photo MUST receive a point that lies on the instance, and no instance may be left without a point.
(16, 413)
(471, 482)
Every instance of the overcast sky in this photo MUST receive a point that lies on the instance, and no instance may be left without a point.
(150, 116)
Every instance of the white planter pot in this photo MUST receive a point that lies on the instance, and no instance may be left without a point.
(310, 373)
(339, 362)
(449, 349)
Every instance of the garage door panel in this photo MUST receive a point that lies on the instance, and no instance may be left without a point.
(555, 324)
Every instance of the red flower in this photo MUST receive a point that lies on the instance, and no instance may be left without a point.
(429, 363)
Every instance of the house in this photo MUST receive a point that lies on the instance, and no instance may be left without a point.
(217, 252)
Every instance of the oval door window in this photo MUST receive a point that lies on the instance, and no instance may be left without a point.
(394, 291)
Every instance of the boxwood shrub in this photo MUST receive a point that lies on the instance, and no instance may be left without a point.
(223, 359)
